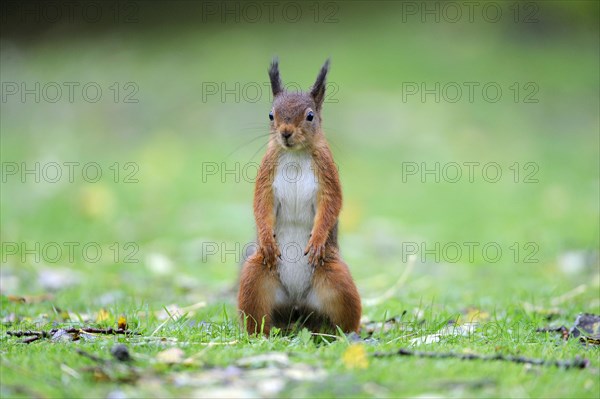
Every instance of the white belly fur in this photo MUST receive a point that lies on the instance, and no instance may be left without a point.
(295, 192)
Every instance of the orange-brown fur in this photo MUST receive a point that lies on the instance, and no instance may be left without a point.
(331, 282)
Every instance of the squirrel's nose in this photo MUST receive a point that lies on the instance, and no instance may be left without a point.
(286, 134)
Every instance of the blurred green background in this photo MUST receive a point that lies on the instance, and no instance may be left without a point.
(168, 56)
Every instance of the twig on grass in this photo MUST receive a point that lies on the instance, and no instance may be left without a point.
(29, 333)
(89, 356)
(29, 340)
(36, 335)
(32, 336)
(566, 364)
(569, 295)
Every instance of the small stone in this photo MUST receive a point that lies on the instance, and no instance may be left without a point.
(121, 353)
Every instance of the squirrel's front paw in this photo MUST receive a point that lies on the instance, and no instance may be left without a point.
(270, 253)
(316, 253)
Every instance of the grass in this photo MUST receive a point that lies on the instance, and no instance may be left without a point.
(169, 221)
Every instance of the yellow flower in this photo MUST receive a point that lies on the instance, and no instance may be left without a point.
(355, 357)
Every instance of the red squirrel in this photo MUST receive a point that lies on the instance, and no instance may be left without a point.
(296, 273)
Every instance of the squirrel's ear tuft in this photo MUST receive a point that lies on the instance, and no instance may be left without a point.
(318, 90)
(276, 84)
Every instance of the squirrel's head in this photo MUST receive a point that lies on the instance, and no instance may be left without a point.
(296, 117)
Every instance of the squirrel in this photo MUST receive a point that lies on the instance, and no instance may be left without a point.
(296, 274)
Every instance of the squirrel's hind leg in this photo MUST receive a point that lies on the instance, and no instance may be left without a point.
(337, 296)
(256, 296)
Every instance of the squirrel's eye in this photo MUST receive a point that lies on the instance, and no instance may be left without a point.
(271, 115)
(310, 116)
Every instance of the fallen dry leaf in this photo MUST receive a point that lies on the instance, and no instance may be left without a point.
(16, 299)
(473, 314)
(103, 315)
(174, 312)
(372, 327)
(30, 298)
(587, 328)
(451, 330)
(122, 323)
(267, 381)
(62, 335)
(278, 359)
(170, 356)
